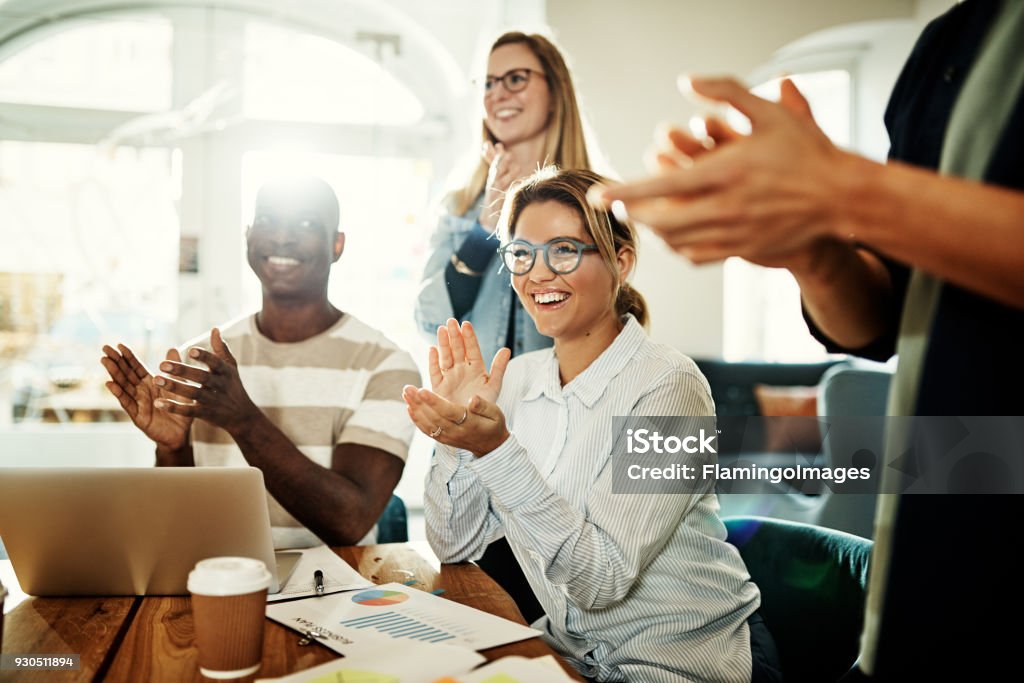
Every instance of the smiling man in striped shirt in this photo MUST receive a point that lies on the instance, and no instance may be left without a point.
(301, 390)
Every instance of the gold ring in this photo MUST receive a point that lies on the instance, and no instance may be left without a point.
(436, 433)
(463, 418)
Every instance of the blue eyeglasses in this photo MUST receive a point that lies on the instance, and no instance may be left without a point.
(562, 255)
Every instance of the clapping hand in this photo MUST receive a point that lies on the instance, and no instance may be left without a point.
(134, 388)
(460, 410)
(215, 395)
(767, 197)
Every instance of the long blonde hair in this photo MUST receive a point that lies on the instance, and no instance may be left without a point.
(569, 188)
(565, 144)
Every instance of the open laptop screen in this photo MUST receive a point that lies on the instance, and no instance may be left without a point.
(129, 531)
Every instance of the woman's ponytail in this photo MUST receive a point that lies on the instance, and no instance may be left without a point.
(631, 301)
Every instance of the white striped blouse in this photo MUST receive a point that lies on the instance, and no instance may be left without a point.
(636, 587)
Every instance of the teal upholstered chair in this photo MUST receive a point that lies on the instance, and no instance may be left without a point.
(393, 525)
(812, 582)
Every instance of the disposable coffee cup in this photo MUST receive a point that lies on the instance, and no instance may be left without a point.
(229, 602)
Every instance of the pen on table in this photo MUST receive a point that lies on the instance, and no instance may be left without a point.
(318, 581)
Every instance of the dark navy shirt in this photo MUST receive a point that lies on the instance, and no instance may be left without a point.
(950, 576)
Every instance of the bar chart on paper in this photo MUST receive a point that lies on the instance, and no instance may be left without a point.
(408, 626)
(398, 612)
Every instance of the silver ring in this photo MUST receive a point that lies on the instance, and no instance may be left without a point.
(463, 418)
(436, 433)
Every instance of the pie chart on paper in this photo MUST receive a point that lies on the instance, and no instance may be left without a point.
(379, 598)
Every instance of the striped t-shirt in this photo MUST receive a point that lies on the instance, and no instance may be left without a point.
(343, 385)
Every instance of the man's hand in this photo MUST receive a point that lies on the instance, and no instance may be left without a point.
(215, 395)
(134, 388)
(766, 197)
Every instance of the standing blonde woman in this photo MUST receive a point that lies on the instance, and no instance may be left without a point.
(635, 587)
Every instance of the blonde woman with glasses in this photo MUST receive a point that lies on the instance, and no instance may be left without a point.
(638, 585)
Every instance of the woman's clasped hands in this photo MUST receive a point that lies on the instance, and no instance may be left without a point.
(460, 408)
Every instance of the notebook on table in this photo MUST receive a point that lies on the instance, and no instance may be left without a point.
(132, 531)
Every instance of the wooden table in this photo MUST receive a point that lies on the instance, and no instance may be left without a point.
(152, 639)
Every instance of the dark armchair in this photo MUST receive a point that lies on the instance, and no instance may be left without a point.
(851, 389)
(812, 583)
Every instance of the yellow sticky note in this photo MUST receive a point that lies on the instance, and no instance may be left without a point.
(355, 676)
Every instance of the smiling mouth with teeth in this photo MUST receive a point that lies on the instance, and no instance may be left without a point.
(550, 297)
(282, 261)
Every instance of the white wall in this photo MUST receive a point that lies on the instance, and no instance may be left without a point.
(927, 10)
(626, 57)
(75, 445)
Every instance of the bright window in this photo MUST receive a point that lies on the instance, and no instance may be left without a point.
(105, 242)
(762, 305)
(97, 64)
(295, 76)
(89, 257)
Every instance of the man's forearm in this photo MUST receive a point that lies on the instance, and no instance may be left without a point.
(847, 292)
(964, 232)
(331, 505)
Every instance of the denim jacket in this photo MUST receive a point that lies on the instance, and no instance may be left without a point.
(495, 300)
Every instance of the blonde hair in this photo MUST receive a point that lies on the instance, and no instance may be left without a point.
(569, 188)
(565, 144)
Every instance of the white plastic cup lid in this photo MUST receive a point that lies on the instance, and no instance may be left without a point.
(228, 576)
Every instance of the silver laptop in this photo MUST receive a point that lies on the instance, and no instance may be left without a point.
(132, 531)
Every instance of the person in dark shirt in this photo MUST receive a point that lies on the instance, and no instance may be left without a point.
(923, 256)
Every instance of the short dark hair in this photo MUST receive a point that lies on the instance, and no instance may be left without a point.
(311, 189)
